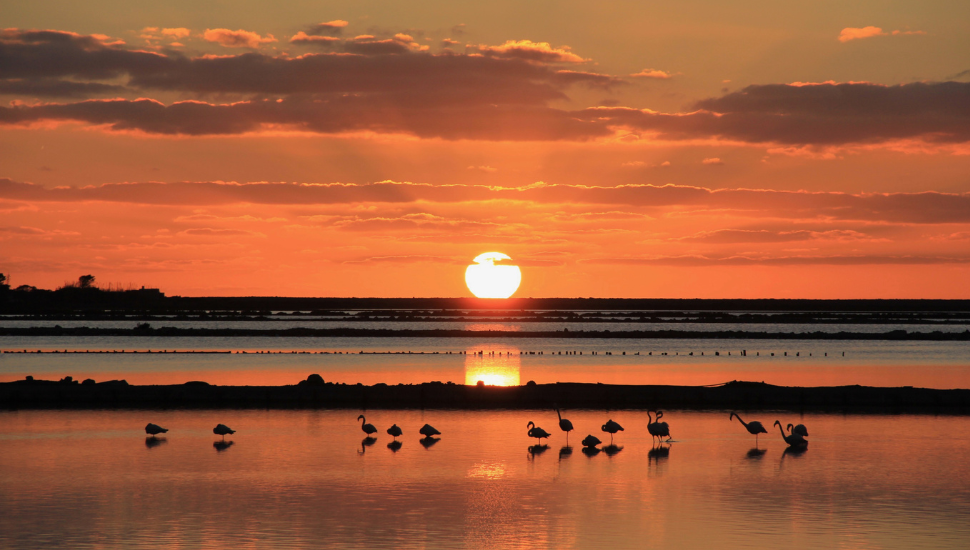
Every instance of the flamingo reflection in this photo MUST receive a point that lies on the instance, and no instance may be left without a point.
(658, 453)
(222, 445)
(394, 446)
(565, 452)
(756, 453)
(611, 450)
(428, 442)
(537, 449)
(152, 441)
(366, 442)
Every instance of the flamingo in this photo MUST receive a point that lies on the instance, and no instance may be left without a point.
(799, 429)
(394, 431)
(367, 428)
(154, 429)
(754, 427)
(658, 428)
(564, 425)
(223, 430)
(428, 431)
(591, 441)
(537, 432)
(793, 440)
(612, 428)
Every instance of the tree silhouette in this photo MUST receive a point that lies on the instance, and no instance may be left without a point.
(85, 281)
(3, 282)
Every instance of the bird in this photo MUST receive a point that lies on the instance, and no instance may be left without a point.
(367, 428)
(799, 429)
(754, 427)
(564, 424)
(793, 440)
(537, 432)
(591, 441)
(223, 430)
(612, 428)
(658, 428)
(394, 446)
(154, 429)
(428, 431)
(394, 431)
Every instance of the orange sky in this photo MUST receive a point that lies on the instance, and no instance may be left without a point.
(364, 149)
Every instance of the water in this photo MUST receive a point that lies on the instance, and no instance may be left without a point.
(873, 363)
(298, 479)
(492, 324)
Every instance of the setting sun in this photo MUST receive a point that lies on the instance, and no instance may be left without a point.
(487, 280)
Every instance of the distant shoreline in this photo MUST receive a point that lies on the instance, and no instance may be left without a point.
(315, 394)
(303, 332)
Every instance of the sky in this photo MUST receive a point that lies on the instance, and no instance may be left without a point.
(697, 149)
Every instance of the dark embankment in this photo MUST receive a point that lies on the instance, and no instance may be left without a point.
(442, 333)
(37, 394)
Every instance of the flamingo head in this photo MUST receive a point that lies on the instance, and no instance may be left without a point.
(777, 423)
(361, 417)
(660, 414)
(789, 427)
(732, 416)
(530, 425)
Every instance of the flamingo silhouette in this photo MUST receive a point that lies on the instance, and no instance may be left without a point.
(754, 427)
(428, 431)
(591, 441)
(564, 424)
(223, 430)
(367, 428)
(658, 428)
(611, 427)
(537, 432)
(793, 440)
(799, 429)
(154, 429)
(394, 431)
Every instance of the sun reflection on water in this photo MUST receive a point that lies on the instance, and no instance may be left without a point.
(499, 367)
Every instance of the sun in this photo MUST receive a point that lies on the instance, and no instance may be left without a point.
(487, 280)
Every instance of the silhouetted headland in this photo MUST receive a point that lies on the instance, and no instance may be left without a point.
(315, 393)
(302, 332)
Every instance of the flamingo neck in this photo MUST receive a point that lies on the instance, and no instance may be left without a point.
(743, 423)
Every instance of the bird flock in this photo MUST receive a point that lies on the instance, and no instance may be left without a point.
(659, 432)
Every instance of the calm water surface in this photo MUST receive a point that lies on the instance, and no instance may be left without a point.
(872, 363)
(301, 479)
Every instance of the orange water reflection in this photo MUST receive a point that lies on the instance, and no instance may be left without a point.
(498, 367)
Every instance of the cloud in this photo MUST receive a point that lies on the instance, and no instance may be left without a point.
(712, 160)
(217, 232)
(853, 33)
(733, 236)
(334, 27)
(303, 38)
(930, 207)
(652, 73)
(176, 33)
(236, 39)
(514, 92)
(487, 169)
(540, 52)
(700, 261)
(52, 87)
